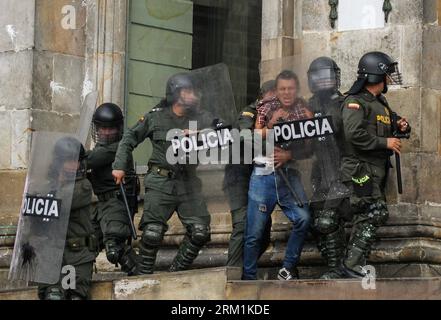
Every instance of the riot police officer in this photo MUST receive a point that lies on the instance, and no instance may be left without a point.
(329, 192)
(369, 144)
(110, 217)
(169, 187)
(80, 246)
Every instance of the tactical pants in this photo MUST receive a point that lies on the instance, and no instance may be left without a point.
(83, 281)
(328, 229)
(111, 221)
(158, 209)
(370, 212)
(112, 229)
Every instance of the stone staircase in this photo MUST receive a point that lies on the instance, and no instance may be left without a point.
(409, 245)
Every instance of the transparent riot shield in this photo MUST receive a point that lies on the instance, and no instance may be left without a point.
(86, 115)
(200, 145)
(305, 132)
(44, 214)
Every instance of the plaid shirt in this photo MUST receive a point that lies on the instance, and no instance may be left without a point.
(271, 112)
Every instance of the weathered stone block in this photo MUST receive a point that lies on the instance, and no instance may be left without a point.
(50, 121)
(431, 121)
(177, 286)
(43, 76)
(67, 83)
(17, 24)
(20, 138)
(430, 11)
(11, 191)
(410, 56)
(407, 103)
(5, 140)
(16, 80)
(429, 181)
(431, 57)
(49, 32)
(410, 166)
(406, 12)
(315, 16)
(271, 18)
(348, 47)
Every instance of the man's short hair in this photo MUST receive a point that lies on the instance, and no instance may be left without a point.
(288, 75)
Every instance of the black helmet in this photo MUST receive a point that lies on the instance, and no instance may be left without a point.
(373, 68)
(175, 84)
(267, 87)
(107, 124)
(324, 75)
(68, 149)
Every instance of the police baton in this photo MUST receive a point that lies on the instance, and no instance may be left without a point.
(398, 135)
(288, 184)
(132, 226)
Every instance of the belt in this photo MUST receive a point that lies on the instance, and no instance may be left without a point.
(108, 195)
(162, 172)
(76, 244)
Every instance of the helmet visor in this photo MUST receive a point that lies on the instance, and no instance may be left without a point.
(189, 99)
(394, 74)
(324, 79)
(106, 135)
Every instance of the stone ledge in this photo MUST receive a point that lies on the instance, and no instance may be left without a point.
(224, 284)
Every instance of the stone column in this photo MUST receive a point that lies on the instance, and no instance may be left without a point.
(106, 32)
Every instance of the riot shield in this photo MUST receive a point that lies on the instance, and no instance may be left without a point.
(202, 146)
(86, 114)
(45, 209)
(306, 129)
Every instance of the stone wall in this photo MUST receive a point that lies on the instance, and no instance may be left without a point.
(16, 63)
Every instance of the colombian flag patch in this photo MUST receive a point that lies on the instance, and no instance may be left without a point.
(353, 106)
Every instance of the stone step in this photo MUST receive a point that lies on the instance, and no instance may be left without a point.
(385, 289)
(224, 284)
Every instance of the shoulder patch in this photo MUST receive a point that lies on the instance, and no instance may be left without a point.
(353, 106)
(157, 109)
(248, 114)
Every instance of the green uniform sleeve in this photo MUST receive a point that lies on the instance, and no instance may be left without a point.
(131, 139)
(82, 195)
(100, 156)
(354, 123)
(247, 117)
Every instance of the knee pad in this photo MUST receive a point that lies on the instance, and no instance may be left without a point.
(152, 235)
(114, 251)
(200, 234)
(326, 221)
(378, 213)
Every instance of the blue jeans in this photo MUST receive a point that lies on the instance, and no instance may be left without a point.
(263, 195)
